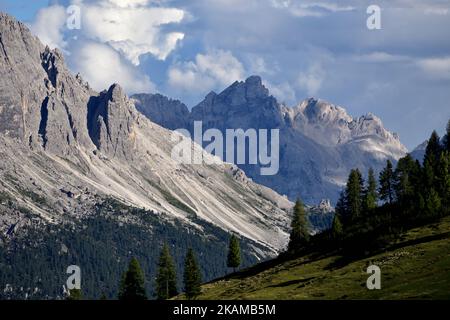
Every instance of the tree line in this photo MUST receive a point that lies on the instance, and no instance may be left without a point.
(372, 212)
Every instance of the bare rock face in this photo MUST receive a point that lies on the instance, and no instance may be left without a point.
(111, 123)
(173, 113)
(46, 107)
(21, 86)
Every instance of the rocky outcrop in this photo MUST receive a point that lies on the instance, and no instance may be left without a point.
(111, 123)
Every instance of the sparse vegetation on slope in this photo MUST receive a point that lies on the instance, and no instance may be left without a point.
(417, 266)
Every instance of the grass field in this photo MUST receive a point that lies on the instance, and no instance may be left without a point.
(416, 266)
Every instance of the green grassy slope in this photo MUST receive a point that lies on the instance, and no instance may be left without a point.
(416, 266)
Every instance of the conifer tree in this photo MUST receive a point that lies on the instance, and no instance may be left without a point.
(166, 279)
(336, 228)
(299, 227)
(234, 253)
(192, 276)
(370, 194)
(433, 203)
(386, 189)
(428, 176)
(340, 208)
(132, 286)
(443, 178)
(404, 178)
(354, 194)
(433, 151)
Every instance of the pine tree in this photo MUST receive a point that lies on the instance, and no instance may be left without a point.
(428, 176)
(166, 279)
(299, 227)
(340, 207)
(370, 194)
(234, 253)
(403, 179)
(433, 151)
(354, 194)
(132, 286)
(386, 189)
(337, 229)
(432, 203)
(192, 276)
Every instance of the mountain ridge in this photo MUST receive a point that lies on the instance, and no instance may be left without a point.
(319, 142)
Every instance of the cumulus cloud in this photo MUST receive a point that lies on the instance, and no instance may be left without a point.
(216, 68)
(49, 24)
(101, 65)
(114, 35)
(132, 28)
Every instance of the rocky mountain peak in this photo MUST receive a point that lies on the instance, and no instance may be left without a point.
(255, 88)
(116, 93)
(241, 92)
(317, 110)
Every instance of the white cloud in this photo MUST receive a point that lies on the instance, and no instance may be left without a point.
(129, 3)
(438, 68)
(101, 66)
(113, 36)
(310, 9)
(380, 56)
(284, 92)
(131, 28)
(48, 26)
(311, 80)
(216, 68)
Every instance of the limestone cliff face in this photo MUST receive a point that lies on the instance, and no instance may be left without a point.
(48, 108)
(111, 123)
(173, 113)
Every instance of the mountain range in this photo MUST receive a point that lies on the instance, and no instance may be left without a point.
(319, 142)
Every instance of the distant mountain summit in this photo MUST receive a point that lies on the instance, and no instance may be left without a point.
(319, 142)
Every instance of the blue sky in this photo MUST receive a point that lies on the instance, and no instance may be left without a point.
(185, 49)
